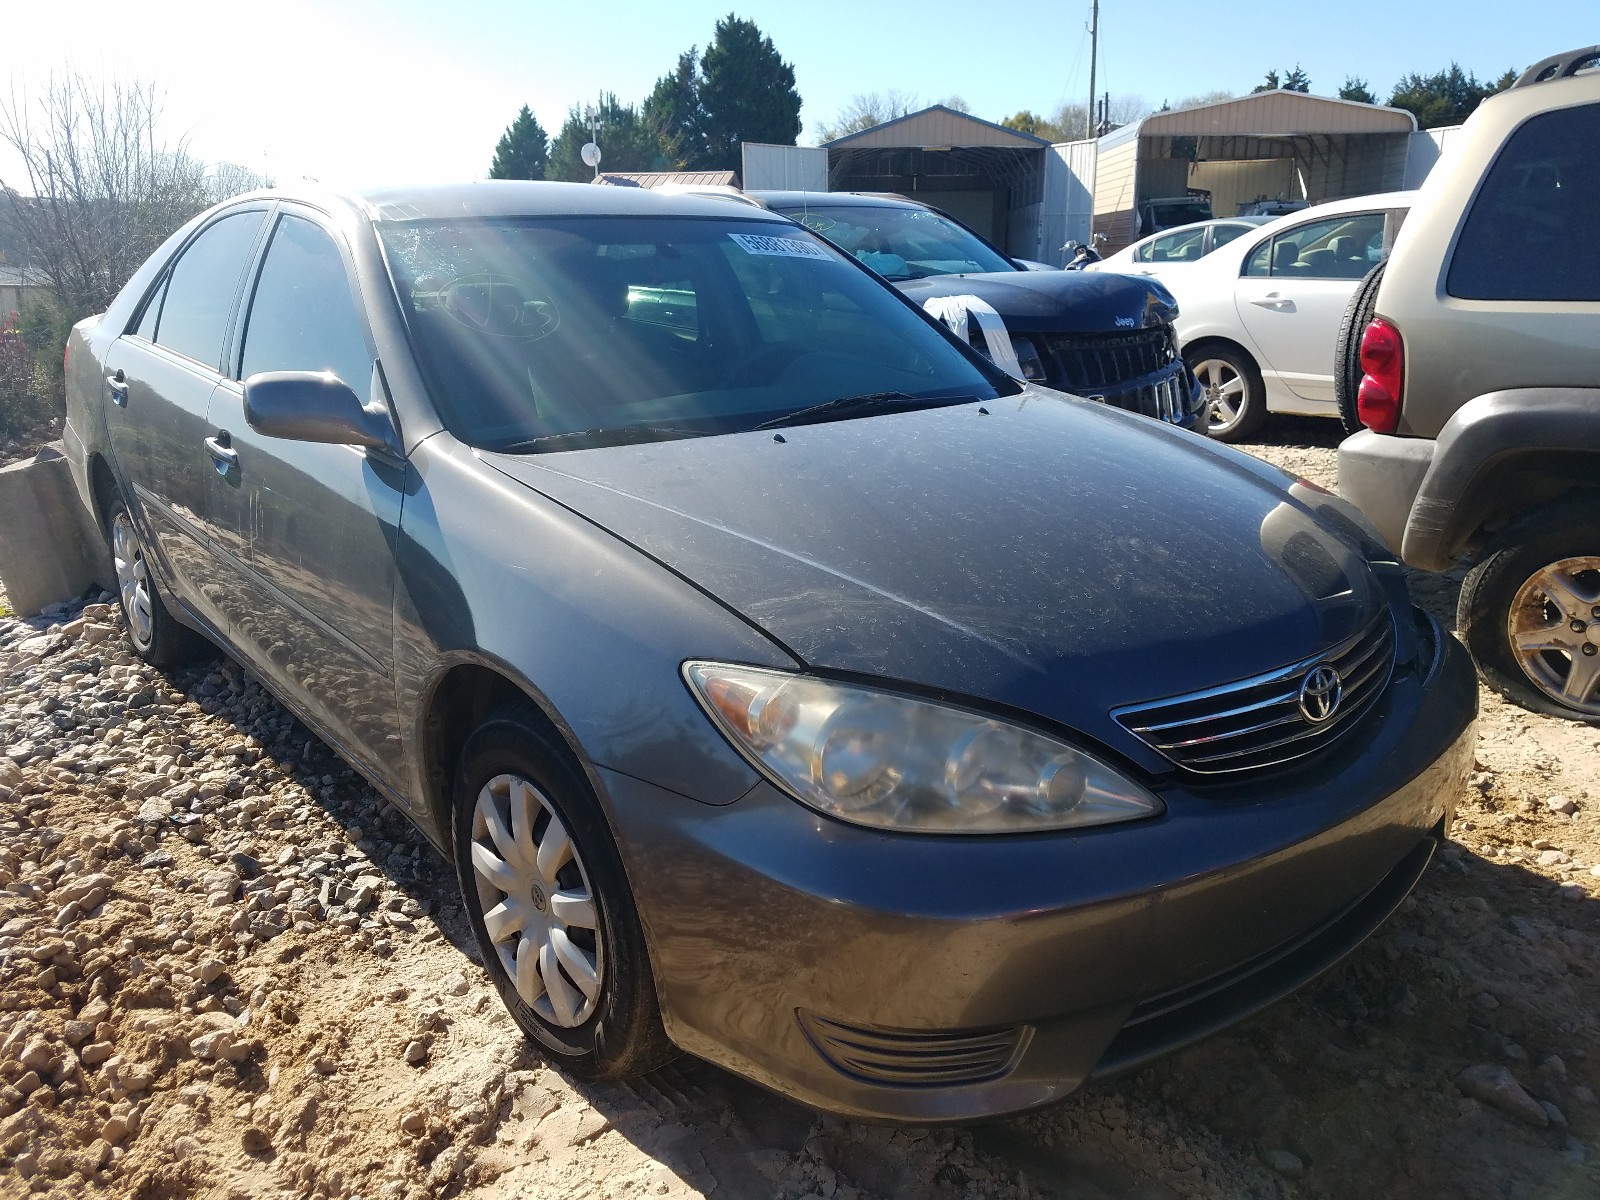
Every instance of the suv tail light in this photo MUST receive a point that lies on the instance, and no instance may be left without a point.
(1383, 360)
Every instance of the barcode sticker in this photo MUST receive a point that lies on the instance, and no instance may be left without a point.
(780, 247)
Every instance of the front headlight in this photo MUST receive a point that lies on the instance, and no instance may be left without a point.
(1028, 358)
(875, 758)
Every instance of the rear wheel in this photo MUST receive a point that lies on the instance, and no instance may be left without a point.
(1530, 613)
(1235, 398)
(1347, 348)
(154, 633)
(550, 904)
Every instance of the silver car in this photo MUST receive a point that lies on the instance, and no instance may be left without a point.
(785, 684)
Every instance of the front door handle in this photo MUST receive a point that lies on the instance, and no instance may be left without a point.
(222, 452)
(118, 383)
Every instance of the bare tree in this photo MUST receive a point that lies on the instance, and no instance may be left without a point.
(869, 109)
(101, 190)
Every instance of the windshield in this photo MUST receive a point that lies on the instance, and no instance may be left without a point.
(902, 243)
(613, 329)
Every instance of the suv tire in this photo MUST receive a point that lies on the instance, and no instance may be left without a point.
(534, 852)
(1543, 567)
(1347, 372)
(1235, 397)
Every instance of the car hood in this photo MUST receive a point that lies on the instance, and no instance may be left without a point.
(1058, 301)
(1038, 552)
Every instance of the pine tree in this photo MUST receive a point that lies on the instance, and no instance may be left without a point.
(747, 93)
(627, 143)
(1355, 88)
(523, 150)
(1444, 98)
(673, 113)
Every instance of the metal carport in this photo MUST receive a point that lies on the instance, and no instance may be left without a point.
(1270, 145)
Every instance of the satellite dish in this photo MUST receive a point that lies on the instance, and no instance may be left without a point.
(590, 154)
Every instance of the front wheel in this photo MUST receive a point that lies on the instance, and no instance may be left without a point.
(1235, 397)
(550, 905)
(1530, 613)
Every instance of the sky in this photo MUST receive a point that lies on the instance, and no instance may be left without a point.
(358, 92)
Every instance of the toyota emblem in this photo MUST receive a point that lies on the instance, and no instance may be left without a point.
(1320, 694)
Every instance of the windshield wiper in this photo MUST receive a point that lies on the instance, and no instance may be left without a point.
(583, 439)
(860, 406)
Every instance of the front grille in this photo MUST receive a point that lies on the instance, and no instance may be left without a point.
(1093, 364)
(1166, 400)
(909, 1058)
(1260, 722)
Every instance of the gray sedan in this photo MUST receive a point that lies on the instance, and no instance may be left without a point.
(785, 684)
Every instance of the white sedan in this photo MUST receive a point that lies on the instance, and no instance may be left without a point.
(1258, 319)
(1177, 248)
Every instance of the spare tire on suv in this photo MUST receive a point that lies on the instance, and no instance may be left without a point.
(1347, 348)
(1482, 397)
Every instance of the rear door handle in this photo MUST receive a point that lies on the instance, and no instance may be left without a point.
(222, 452)
(1273, 300)
(118, 383)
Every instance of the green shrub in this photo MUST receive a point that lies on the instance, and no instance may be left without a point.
(30, 396)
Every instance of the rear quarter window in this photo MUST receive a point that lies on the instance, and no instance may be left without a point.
(1533, 232)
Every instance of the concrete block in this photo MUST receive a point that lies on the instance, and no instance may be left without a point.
(50, 545)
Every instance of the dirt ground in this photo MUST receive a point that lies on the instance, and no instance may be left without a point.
(227, 970)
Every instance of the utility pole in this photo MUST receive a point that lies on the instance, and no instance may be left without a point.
(591, 151)
(1094, 47)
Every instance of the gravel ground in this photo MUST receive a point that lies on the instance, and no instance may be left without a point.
(228, 970)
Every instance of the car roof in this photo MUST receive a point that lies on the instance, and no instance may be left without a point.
(794, 199)
(490, 198)
(1332, 208)
(1205, 224)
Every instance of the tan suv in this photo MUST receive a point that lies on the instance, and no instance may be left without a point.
(1480, 385)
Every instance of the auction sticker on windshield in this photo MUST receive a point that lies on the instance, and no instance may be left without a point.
(782, 247)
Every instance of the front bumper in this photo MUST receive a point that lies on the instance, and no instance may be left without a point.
(916, 978)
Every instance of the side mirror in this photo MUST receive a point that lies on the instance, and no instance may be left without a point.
(314, 406)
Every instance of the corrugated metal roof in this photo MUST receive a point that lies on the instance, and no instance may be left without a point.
(651, 179)
(938, 126)
(1273, 114)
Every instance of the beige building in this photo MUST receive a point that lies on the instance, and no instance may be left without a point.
(17, 285)
(1034, 199)
(1275, 145)
(983, 174)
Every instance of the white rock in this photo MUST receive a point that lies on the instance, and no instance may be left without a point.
(219, 1045)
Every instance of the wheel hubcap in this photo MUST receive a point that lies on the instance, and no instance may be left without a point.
(537, 905)
(1554, 630)
(133, 579)
(1224, 391)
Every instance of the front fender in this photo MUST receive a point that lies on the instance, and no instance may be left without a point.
(1502, 452)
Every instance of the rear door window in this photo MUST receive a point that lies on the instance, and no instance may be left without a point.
(1533, 232)
(1344, 247)
(203, 286)
(1178, 247)
(1223, 234)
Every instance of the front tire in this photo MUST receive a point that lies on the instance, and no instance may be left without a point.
(153, 632)
(1530, 613)
(1235, 397)
(550, 905)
